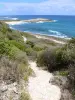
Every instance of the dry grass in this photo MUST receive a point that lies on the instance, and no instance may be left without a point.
(12, 71)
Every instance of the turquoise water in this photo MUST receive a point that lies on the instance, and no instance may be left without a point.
(64, 26)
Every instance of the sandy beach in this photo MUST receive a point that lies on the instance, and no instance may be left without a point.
(49, 38)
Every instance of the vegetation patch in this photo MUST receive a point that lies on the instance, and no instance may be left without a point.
(24, 96)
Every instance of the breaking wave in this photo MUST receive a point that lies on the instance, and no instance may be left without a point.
(14, 18)
(9, 18)
(57, 34)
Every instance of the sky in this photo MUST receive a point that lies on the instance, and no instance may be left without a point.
(37, 7)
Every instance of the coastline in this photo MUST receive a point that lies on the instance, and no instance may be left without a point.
(50, 38)
(27, 21)
(54, 39)
(36, 40)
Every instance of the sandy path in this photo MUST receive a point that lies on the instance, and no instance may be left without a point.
(24, 38)
(39, 86)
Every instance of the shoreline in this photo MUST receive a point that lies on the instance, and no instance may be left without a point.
(50, 38)
(57, 40)
(54, 39)
(37, 20)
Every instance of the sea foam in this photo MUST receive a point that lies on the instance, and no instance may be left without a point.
(57, 34)
(55, 20)
(14, 18)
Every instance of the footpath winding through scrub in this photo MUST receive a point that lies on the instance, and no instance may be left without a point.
(39, 86)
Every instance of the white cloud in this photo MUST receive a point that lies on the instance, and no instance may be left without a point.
(46, 7)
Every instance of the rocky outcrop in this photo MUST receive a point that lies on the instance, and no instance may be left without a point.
(30, 20)
(38, 20)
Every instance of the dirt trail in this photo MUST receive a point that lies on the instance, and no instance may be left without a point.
(39, 86)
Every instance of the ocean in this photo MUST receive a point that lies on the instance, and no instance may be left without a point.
(63, 26)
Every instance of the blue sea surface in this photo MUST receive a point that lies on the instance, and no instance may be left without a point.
(63, 27)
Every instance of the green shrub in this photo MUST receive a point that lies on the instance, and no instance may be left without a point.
(57, 59)
(21, 57)
(31, 53)
(63, 73)
(19, 45)
(66, 55)
(5, 47)
(15, 35)
(27, 35)
(30, 43)
(3, 27)
(2, 36)
(47, 58)
(72, 41)
(38, 48)
(24, 96)
(24, 71)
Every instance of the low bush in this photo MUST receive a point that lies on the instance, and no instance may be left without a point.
(2, 36)
(13, 71)
(38, 48)
(3, 27)
(63, 73)
(66, 55)
(31, 53)
(20, 45)
(30, 43)
(24, 96)
(47, 58)
(14, 35)
(59, 58)
(8, 48)
(21, 57)
(4, 47)
(8, 70)
(71, 77)
(72, 41)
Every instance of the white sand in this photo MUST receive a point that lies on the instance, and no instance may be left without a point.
(24, 38)
(51, 39)
(39, 86)
(15, 22)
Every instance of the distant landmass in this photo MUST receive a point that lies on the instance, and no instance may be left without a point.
(31, 20)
